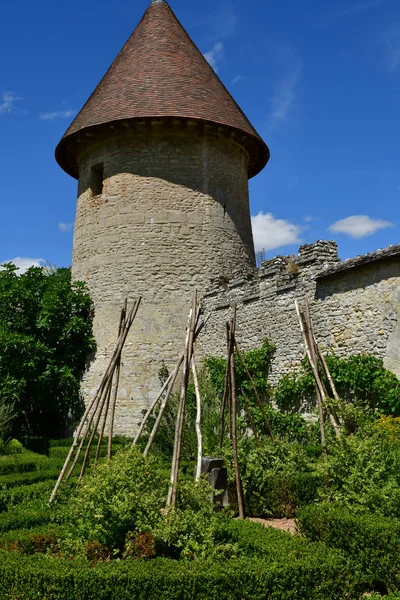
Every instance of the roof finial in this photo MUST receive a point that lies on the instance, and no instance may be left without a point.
(155, 1)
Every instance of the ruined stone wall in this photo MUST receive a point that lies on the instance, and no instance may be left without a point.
(173, 212)
(355, 306)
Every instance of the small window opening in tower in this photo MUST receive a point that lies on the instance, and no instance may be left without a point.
(96, 179)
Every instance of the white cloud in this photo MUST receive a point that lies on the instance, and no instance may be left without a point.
(23, 264)
(270, 233)
(359, 226)
(57, 114)
(338, 16)
(236, 79)
(214, 56)
(390, 43)
(285, 94)
(7, 102)
(308, 218)
(65, 226)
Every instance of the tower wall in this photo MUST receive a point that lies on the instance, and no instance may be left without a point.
(173, 214)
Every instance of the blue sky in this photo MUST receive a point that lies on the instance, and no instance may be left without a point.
(320, 81)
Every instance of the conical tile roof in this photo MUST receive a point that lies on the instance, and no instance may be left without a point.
(160, 73)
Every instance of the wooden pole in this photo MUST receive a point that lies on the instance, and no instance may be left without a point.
(234, 413)
(125, 330)
(151, 408)
(226, 389)
(103, 383)
(321, 386)
(255, 392)
(171, 501)
(320, 391)
(326, 370)
(162, 407)
(103, 425)
(106, 400)
(250, 417)
(198, 421)
(116, 384)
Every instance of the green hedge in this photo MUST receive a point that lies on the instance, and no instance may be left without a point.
(320, 576)
(21, 463)
(24, 517)
(12, 496)
(20, 479)
(371, 541)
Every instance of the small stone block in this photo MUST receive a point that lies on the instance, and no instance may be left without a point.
(208, 463)
(218, 478)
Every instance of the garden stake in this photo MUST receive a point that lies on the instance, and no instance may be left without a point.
(95, 401)
(234, 410)
(260, 406)
(320, 383)
(198, 421)
(171, 501)
(320, 392)
(115, 392)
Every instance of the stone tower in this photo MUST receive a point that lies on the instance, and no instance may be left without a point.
(163, 155)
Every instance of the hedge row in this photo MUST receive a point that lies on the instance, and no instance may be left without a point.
(12, 496)
(24, 517)
(371, 541)
(322, 576)
(20, 479)
(21, 463)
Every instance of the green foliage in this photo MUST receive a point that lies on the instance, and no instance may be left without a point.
(191, 530)
(362, 472)
(276, 477)
(371, 541)
(24, 517)
(360, 380)
(258, 363)
(45, 336)
(276, 567)
(126, 498)
(123, 495)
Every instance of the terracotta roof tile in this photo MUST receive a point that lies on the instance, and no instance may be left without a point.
(161, 73)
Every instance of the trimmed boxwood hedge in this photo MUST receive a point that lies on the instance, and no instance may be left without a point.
(21, 463)
(371, 541)
(19, 479)
(11, 497)
(320, 574)
(24, 517)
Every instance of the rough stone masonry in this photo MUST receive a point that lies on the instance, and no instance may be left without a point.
(354, 304)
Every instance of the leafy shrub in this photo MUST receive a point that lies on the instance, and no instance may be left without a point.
(45, 336)
(372, 541)
(362, 472)
(125, 498)
(191, 530)
(123, 495)
(277, 477)
(359, 379)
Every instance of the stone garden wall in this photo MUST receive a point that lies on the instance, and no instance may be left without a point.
(355, 305)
